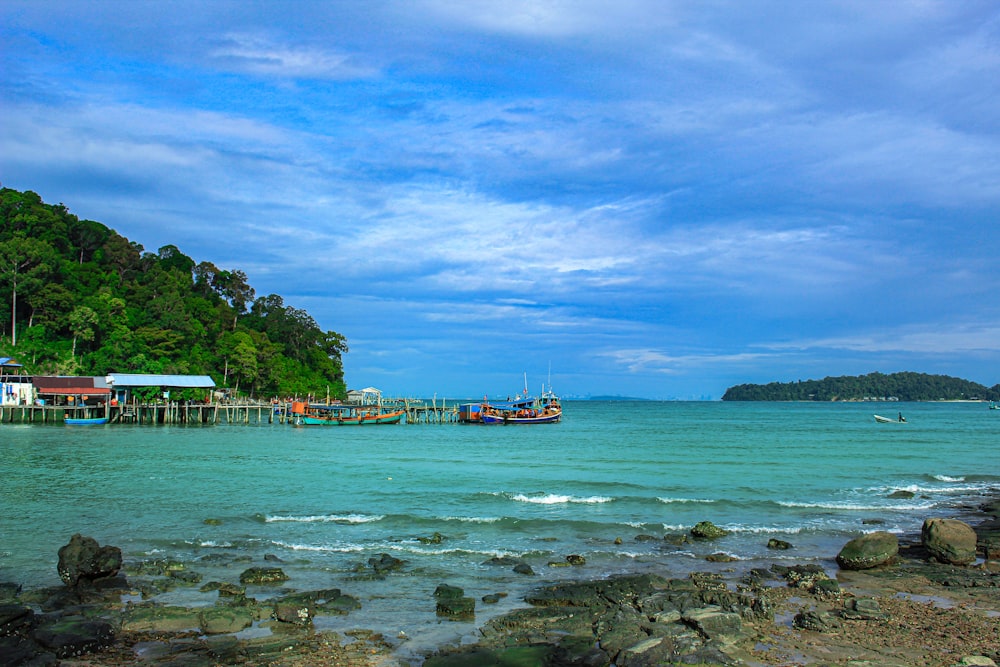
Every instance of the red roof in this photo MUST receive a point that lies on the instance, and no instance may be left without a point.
(67, 386)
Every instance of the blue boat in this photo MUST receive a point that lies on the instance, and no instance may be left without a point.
(85, 421)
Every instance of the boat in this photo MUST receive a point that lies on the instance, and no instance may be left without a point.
(523, 409)
(886, 420)
(339, 414)
(994, 406)
(85, 421)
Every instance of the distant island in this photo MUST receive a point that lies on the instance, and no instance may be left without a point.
(906, 386)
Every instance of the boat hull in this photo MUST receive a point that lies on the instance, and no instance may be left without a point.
(357, 420)
(506, 419)
(91, 421)
(886, 420)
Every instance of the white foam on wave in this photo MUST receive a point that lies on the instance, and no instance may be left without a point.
(686, 500)
(946, 478)
(346, 549)
(559, 499)
(326, 518)
(858, 507)
(473, 519)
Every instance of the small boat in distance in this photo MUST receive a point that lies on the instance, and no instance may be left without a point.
(85, 421)
(994, 406)
(885, 420)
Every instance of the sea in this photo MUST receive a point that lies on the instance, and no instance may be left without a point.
(608, 483)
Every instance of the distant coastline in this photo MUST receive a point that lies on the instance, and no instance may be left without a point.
(874, 387)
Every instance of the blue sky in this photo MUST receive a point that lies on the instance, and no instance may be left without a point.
(643, 198)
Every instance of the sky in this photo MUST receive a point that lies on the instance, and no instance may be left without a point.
(654, 199)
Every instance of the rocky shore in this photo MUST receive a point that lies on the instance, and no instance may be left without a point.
(929, 599)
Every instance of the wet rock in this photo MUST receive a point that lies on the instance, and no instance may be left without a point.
(901, 495)
(708, 530)
(385, 563)
(18, 651)
(576, 560)
(949, 541)
(721, 557)
(263, 576)
(15, 619)
(225, 589)
(778, 544)
(224, 620)
(72, 636)
(523, 568)
(295, 614)
(868, 551)
(83, 560)
(436, 538)
(330, 601)
(503, 561)
(452, 603)
(159, 618)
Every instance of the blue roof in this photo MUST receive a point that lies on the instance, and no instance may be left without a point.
(9, 362)
(146, 380)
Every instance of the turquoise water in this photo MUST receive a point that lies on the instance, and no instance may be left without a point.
(324, 500)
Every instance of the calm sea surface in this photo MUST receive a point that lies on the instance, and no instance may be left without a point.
(325, 499)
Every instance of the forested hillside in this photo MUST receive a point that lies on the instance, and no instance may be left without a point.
(874, 386)
(82, 299)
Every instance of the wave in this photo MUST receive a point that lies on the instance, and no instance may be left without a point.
(668, 501)
(559, 499)
(325, 518)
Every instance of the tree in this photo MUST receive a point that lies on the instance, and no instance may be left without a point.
(82, 322)
(23, 266)
(233, 287)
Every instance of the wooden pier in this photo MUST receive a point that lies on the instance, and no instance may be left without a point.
(418, 412)
(151, 413)
(230, 412)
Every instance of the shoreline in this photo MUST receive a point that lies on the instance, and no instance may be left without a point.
(904, 600)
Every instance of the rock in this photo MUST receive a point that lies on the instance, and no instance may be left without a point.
(949, 541)
(18, 651)
(575, 559)
(296, 614)
(452, 603)
(436, 538)
(15, 619)
(159, 618)
(868, 551)
(263, 575)
(778, 544)
(721, 557)
(224, 620)
(83, 561)
(225, 589)
(976, 661)
(708, 530)
(901, 495)
(864, 609)
(523, 568)
(385, 563)
(327, 602)
(816, 621)
(714, 623)
(72, 636)
(271, 558)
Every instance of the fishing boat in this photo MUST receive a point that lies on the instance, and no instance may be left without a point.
(346, 415)
(544, 409)
(85, 421)
(886, 420)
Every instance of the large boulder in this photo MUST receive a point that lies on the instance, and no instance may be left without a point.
(84, 561)
(868, 551)
(949, 541)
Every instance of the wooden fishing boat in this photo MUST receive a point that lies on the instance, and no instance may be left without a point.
(544, 409)
(85, 421)
(347, 415)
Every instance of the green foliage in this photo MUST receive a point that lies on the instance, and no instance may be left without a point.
(874, 386)
(80, 298)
